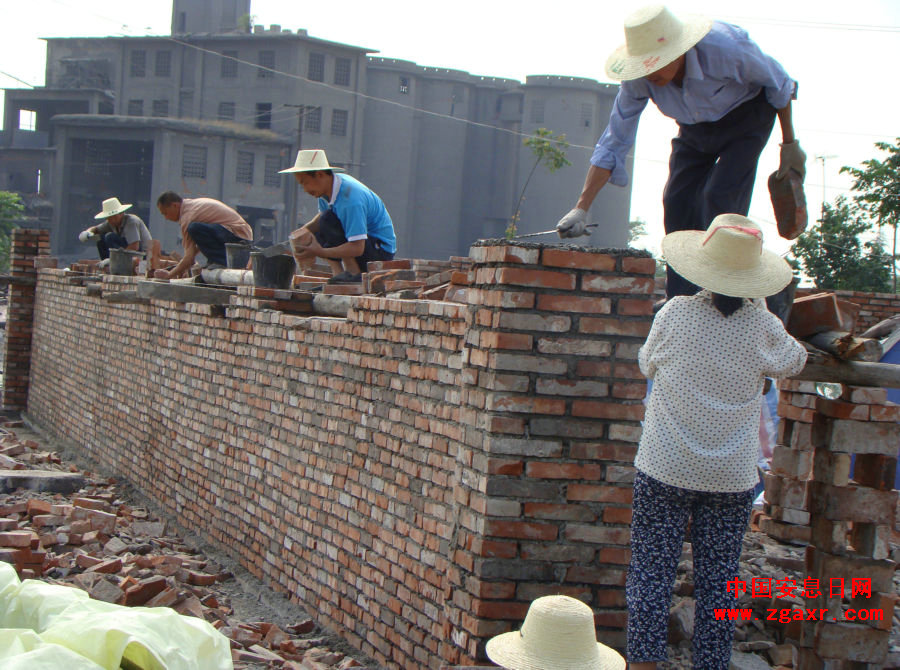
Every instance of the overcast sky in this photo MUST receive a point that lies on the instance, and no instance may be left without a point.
(843, 54)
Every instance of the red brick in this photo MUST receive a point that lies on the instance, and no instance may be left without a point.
(612, 326)
(497, 340)
(568, 471)
(610, 284)
(634, 307)
(16, 538)
(795, 413)
(525, 530)
(864, 395)
(599, 493)
(889, 412)
(617, 515)
(645, 266)
(526, 404)
(574, 303)
(875, 471)
(494, 548)
(607, 410)
(842, 410)
(556, 512)
(581, 260)
(498, 609)
(536, 278)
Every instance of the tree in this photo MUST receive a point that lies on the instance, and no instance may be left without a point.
(547, 149)
(636, 229)
(877, 187)
(11, 209)
(833, 256)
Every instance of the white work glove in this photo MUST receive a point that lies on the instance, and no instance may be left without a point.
(86, 236)
(103, 264)
(574, 224)
(792, 158)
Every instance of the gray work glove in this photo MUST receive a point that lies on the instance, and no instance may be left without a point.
(86, 236)
(574, 224)
(792, 158)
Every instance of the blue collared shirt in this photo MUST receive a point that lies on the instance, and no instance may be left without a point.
(361, 212)
(722, 71)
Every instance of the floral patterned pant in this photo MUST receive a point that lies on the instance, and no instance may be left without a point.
(660, 516)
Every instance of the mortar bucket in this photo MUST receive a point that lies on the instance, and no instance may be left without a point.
(121, 261)
(274, 272)
(237, 254)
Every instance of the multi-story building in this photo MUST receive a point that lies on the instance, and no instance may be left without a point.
(442, 147)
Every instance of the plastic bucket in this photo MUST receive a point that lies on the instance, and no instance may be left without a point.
(237, 255)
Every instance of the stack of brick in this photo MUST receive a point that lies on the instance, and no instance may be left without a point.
(26, 246)
(874, 307)
(847, 513)
(554, 387)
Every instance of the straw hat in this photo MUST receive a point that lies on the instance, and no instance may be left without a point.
(111, 207)
(728, 258)
(309, 160)
(654, 37)
(557, 634)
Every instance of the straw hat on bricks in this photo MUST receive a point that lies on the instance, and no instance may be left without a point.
(728, 258)
(654, 37)
(557, 634)
(111, 207)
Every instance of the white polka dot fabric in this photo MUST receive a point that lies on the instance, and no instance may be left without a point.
(701, 429)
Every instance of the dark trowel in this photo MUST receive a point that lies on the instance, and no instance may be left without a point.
(278, 249)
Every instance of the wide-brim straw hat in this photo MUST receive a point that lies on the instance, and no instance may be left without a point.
(557, 634)
(310, 160)
(728, 258)
(111, 207)
(654, 37)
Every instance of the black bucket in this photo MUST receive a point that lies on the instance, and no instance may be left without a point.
(275, 272)
(121, 261)
(237, 254)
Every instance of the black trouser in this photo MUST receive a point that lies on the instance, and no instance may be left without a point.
(109, 241)
(712, 170)
(331, 234)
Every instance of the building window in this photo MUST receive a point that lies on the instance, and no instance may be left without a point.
(587, 112)
(244, 167)
(163, 63)
(267, 65)
(312, 119)
(404, 85)
(193, 162)
(339, 122)
(316, 70)
(27, 119)
(342, 71)
(138, 63)
(229, 64)
(537, 111)
(135, 108)
(160, 108)
(263, 114)
(271, 177)
(226, 111)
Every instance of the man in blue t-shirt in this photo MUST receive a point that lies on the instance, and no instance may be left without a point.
(352, 226)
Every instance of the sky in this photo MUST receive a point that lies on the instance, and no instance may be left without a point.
(843, 54)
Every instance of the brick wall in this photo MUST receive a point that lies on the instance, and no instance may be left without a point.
(845, 513)
(874, 307)
(415, 473)
(26, 246)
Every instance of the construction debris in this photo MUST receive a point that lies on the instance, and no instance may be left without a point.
(91, 539)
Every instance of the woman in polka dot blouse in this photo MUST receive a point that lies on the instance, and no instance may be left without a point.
(708, 356)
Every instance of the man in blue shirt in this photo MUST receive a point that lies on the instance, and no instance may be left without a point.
(725, 94)
(352, 226)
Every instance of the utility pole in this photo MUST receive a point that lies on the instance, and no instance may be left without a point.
(822, 158)
(292, 217)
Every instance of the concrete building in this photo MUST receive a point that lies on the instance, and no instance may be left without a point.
(442, 147)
